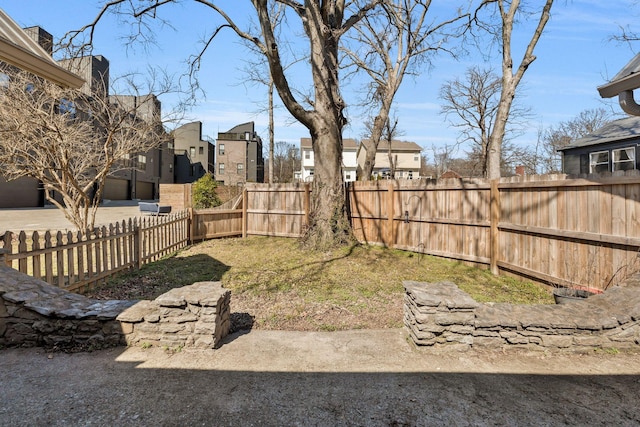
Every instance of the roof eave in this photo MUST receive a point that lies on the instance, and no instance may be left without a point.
(21, 58)
(614, 88)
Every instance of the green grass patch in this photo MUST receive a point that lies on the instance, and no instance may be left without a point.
(286, 283)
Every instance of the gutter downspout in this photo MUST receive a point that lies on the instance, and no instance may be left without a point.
(628, 103)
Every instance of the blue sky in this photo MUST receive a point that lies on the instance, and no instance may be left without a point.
(574, 57)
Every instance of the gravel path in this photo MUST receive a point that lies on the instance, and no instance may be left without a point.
(350, 378)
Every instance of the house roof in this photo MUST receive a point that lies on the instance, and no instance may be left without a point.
(627, 79)
(347, 143)
(19, 50)
(241, 128)
(617, 130)
(397, 146)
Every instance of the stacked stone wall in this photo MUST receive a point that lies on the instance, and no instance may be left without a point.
(192, 316)
(439, 314)
(34, 313)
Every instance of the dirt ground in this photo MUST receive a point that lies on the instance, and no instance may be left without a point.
(348, 378)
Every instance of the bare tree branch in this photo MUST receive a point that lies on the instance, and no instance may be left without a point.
(70, 141)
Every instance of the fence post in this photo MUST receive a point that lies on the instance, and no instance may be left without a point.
(4, 256)
(494, 237)
(137, 241)
(191, 226)
(307, 203)
(390, 191)
(244, 212)
(7, 248)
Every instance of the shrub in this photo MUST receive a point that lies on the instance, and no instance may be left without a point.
(204, 193)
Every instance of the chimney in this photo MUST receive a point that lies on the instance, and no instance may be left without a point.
(520, 170)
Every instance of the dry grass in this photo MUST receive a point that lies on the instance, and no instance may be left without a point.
(284, 287)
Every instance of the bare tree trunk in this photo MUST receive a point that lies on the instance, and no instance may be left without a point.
(328, 222)
(271, 131)
(371, 144)
(510, 80)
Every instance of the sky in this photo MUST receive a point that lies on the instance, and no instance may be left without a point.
(574, 56)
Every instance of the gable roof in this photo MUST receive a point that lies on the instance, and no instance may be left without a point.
(347, 143)
(19, 50)
(617, 130)
(398, 146)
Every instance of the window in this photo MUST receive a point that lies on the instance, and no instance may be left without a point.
(67, 107)
(307, 154)
(200, 150)
(221, 149)
(221, 168)
(624, 159)
(416, 158)
(599, 162)
(348, 177)
(192, 151)
(142, 162)
(240, 168)
(170, 145)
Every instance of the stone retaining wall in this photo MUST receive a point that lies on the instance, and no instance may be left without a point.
(439, 314)
(34, 313)
(192, 316)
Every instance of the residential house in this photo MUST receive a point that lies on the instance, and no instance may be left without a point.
(622, 85)
(612, 148)
(239, 156)
(349, 163)
(29, 50)
(147, 170)
(404, 155)
(194, 156)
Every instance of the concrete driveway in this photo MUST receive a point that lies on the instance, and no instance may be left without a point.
(51, 218)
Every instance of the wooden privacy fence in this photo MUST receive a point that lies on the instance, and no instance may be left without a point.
(568, 232)
(276, 209)
(77, 261)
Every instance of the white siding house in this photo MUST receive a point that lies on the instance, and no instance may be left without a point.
(405, 156)
(349, 159)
